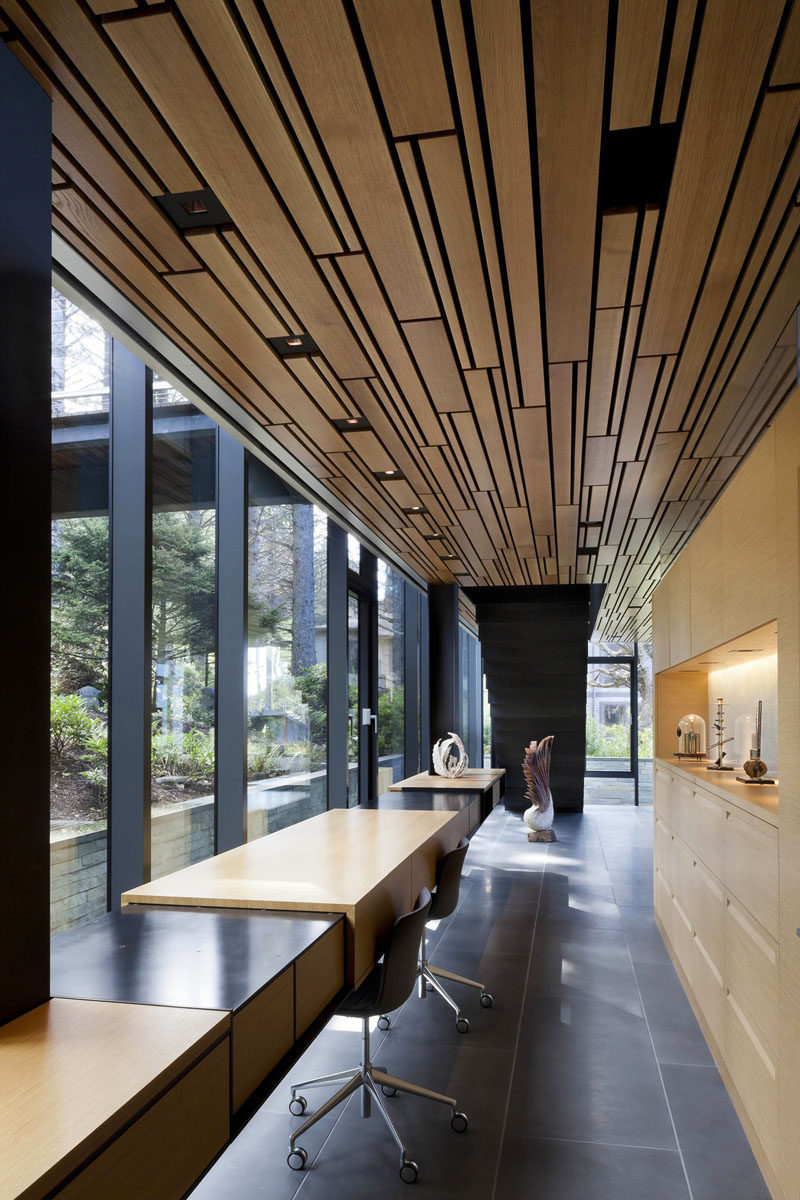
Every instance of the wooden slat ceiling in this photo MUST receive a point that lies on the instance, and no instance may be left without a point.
(548, 250)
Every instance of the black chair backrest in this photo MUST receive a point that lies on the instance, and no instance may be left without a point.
(448, 881)
(402, 954)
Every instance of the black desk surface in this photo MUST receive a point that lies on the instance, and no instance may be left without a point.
(434, 800)
(183, 958)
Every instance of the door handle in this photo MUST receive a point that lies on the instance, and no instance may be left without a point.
(368, 715)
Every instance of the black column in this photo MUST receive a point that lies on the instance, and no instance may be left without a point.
(231, 703)
(445, 676)
(411, 680)
(338, 705)
(424, 685)
(535, 650)
(25, 492)
(130, 626)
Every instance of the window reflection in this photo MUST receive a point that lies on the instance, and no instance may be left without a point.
(287, 678)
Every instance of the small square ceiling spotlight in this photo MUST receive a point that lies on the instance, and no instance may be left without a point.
(295, 345)
(352, 424)
(194, 210)
(414, 510)
(389, 475)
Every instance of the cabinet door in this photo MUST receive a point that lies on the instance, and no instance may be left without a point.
(751, 963)
(708, 830)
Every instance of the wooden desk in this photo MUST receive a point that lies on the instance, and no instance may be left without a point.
(74, 1073)
(489, 782)
(369, 865)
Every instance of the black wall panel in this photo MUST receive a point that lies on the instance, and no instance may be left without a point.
(534, 644)
(25, 504)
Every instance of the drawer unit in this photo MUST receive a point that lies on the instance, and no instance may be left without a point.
(319, 975)
(751, 867)
(662, 785)
(683, 937)
(751, 971)
(709, 990)
(664, 853)
(708, 830)
(709, 912)
(680, 808)
(263, 1031)
(754, 1071)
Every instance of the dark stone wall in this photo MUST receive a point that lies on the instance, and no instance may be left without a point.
(534, 645)
(25, 505)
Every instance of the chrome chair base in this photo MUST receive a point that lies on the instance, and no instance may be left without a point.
(429, 977)
(369, 1078)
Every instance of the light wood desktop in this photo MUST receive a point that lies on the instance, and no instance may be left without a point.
(367, 864)
(74, 1074)
(477, 779)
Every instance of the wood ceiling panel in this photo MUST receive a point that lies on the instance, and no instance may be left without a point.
(616, 249)
(404, 50)
(434, 356)
(366, 289)
(787, 65)
(773, 134)
(445, 172)
(605, 351)
(498, 37)
(218, 38)
(636, 58)
(460, 64)
(569, 67)
(291, 114)
(406, 154)
(162, 59)
(735, 45)
(531, 426)
(318, 42)
(74, 32)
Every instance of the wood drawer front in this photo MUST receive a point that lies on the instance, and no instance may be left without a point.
(709, 990)
(663, 904)
(664, 853)
(751, 867)
(708, 831)
(751, 972)
(474, 813)
(683, 881)
(662, 784)
(709, 914)
(680, 809)
(262, 1032)
(165, 1150)
(319, 975)
(753, 1071)
(682, 936)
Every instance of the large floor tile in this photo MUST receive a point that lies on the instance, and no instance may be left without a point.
(719, 1161)
(585, 1070)
(596, 966)
(551, 1170)
(676, 1035)
(645, 943)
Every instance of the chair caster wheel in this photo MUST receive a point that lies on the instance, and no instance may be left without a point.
(388, 1091)
(297, 1106)
(486, 1000)
(409, 1171)
(462, 1025)
(459, 1122)
(297, 1158)
(384, 1022)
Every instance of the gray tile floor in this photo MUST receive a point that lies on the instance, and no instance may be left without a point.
(589, 1079)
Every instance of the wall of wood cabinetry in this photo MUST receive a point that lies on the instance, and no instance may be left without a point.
(727, 889)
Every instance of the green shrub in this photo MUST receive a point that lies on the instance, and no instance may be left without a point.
(70, 724)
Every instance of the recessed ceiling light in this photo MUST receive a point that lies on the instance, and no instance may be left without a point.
(194, 210)
(391, 474)
(449, 557)
(414, 510)
(294, 345)
(433, 537)
(352, 424)
(194, 207)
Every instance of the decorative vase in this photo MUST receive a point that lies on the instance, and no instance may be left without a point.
(536, 766)
(450, 766)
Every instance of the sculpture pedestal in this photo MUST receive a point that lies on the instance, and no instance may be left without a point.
(541, 835)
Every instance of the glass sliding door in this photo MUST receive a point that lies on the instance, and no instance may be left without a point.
(612, 724)
(81, 357)
(287, 674)
(391, 677)
(183, 676)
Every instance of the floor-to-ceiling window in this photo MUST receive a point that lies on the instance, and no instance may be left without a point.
(287, 683)
(391, 676)
(79, 641)
(619, 723)
(183, 632)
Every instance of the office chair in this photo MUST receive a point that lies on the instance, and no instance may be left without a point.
(444, 902)
(387, 986)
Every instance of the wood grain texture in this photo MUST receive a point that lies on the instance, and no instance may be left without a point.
(638, 48)
(75, 1071)
(319, 976)
(616, 249)
(569, 67)
(679, 51)
(262, 1031)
